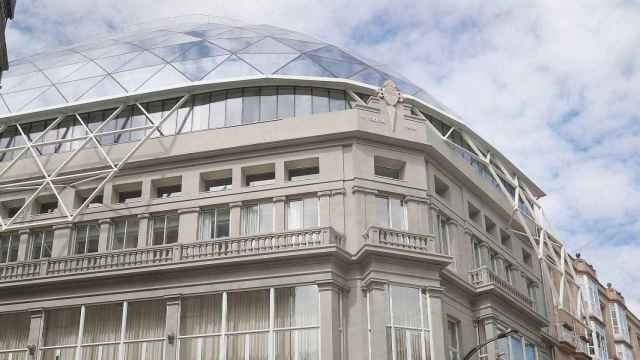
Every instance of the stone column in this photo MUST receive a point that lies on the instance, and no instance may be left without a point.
(376, 308)
(491, 331)
(456, 243)
(500, 266)
(62, 235)
(171, 327)
(484, 254)
(23, 245)
(438, 324)
(324, 199)
(337, 211)
(432, 219)
(468, 240)
(415, 215)
(330, 322)
(188, 225)
(145, 193)
(234, 219)
(35, 332)
(279, 214)
(280, 172)
(105, 232)
(143, 231)
(190, 183)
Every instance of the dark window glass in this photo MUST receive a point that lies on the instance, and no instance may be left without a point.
(251, 106)
(286, 102)
(303, 101)
(234, 107)
(268, 104)
(218, 110)
(320, 100)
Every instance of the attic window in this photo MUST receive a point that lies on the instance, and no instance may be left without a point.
(389, 168)
(490, 226)
(441, 188)
(259, 175)
(505, 239)
(217, 180)
(474, 213)
(304, 169)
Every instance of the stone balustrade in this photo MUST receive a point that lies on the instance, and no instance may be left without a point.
(400, 239)
(170, 254)
(483, 276)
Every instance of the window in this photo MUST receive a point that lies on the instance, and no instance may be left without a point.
(100, 334)
(9, 242)
(83, 195)
(443, 234)
(508, 273)
(390, 213)
(124, 233)
(530, 351)
(259, 175)
(474, 213)
(220, 180)
(278, 323)
(305, 169)
(441, 188)
(532, 289)
(48, 207)
(16, 336)
(490, 226)
(256, 219)
(618, 320)
(477, 255)
(407, 323)
(517, 350)
(505, 239)
(493, 261)
(164, 229)
(302, 213)
(126, 193)
(86, 238)
(453, 339)
(389, 168)
(167, 188)
(214, 223)
(41, 244)
(526, 258)
(482, 338)
(600, 340)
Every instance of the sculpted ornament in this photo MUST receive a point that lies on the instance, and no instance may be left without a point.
(392, 97)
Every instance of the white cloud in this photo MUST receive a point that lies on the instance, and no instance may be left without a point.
(553, 84)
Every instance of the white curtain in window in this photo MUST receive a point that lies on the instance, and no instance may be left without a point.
(62, 326)
(248, 311)
(396, 211)
(310, 212)
(145, 320)
(15, 336)
(382, 211)
(200, 315)
(249, 220)
(102, 324)
(296, 307)
(294, 214)
(266, 217)
(406, 306)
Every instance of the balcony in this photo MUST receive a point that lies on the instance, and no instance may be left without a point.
(486, 280)
(568, 339)
(400, 239)
(173, 254)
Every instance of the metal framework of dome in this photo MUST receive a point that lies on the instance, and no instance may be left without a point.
(179, 53)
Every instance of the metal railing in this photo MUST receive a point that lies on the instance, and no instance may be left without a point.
(170, 254)
(400, 239)
(483, 276)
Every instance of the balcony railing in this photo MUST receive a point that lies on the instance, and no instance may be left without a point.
(581, 345)
(483, 276)
(567, 336)
(170, 254)
(400, 239)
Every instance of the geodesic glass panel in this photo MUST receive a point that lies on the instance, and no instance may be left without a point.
(203, 49)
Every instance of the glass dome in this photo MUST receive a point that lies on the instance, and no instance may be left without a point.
(175, 53)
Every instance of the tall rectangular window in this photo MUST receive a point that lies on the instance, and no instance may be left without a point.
(303, 101)
(618, 320)
(41, 243)
(275, 323)
(251, 106)
(302, 213)
(407, 323)
(390, 213)
(214, 223)
(256, 219)
(453, 338)
(86, 238)
(286, 104)
(95, 332)
(443, 234)
(14, 337)
(477, 255)
(9, 242)
(124, 233)
(164, 229)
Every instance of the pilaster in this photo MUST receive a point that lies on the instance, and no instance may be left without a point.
(143, 230)
(438, 323)
(105, 231)
(234, 219)
(172, 322)
(330, 322)
(279, 212)
(324, 199)
(62, 240)
(376, 307)
(188, 225)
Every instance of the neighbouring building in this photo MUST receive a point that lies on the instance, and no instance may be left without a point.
(7, 8)
(203, 189)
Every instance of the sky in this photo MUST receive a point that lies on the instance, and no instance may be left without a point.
(555, 85)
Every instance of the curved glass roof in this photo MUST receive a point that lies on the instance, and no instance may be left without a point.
(177, 53)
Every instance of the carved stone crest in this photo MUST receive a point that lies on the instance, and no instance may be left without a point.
(392, 97)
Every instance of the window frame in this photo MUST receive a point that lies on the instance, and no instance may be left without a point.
(86, 238)
(258, 225)
(12, 238)
(302, 200)
(47, 233)
(213, 224)
(112, 232)
(165, 216)
(389, 219)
